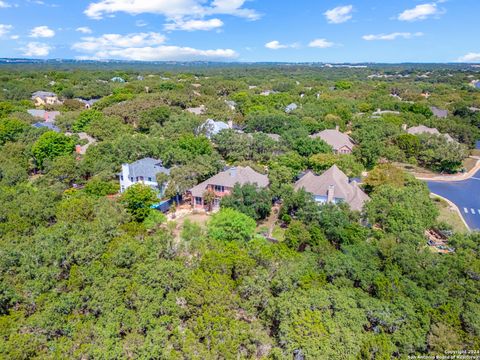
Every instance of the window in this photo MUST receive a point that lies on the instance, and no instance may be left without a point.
(198, 201)
(122, 189)
(131, 179)
(141, 178)
(121, 177)
(219, 188)
(150, 179)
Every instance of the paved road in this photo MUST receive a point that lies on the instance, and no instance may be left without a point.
(465, 194)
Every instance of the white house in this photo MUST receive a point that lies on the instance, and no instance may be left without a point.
(211, 127)
(143, 171)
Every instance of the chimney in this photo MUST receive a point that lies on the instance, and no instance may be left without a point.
(337, 127)
(45, 116)
(404, 127)
(330, 194)
(78, 149)
(230, 124)
(232, 171)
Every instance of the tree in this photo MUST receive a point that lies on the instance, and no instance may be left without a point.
(385, 174)
(10, 129)
(297, 235)
(138, 200)
(347, 163)
(231, 225)
(85, 118)
(51, 145)
(440, 154)
(249, 200)
(209, 198)
(398, 210)
(409, 143)
(153, 116)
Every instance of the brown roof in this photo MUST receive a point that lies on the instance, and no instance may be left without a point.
(334, 138)
(342, 187)
(228, 178)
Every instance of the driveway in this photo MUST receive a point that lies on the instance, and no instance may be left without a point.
(464, 194)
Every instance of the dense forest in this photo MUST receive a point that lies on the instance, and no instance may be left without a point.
(88, 273)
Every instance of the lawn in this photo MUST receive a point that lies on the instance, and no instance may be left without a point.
(449, 216)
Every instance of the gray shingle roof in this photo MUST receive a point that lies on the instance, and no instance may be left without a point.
(228, 178)
(147, 167)
(334, 138)
(440, 113)
(291, 108)
(43, 94)
(422, 129)
(211, 127)
(342, 187)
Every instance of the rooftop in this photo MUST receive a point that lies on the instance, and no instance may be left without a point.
(350, 192)
(146, 167)
(230, 177)
(334, 138)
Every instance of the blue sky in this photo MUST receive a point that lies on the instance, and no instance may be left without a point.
(242, 30)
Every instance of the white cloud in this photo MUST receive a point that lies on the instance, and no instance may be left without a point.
(161, 53)
(172, 9)
(193, 25)
(5, 29)
(15, 37)
(339, 14)
(276, 45)
(144, 47)
(36, 49)
(321, 43)
(42, 32)
(420, 12)
(4, 4)
(470, 57)
(114, 41)
(84, 30)
(392, 36)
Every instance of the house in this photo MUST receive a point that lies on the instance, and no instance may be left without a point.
(42, 98)
(87, 102)
(48, 116)
(380, 112)
(197, 110)
(340, 142)
(333, 187)
(211, 127)
(268, 92)
(222, 184)
(291, 107)
(439, 113)
(143, 171)
(422, 129)
(48, 125)
(117, 79)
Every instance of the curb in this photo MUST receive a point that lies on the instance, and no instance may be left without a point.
(452, 178)
(455, 207)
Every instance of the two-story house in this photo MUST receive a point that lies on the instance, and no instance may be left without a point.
(333, 187)
(143, 171)
(222, 184)
(42, 98)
